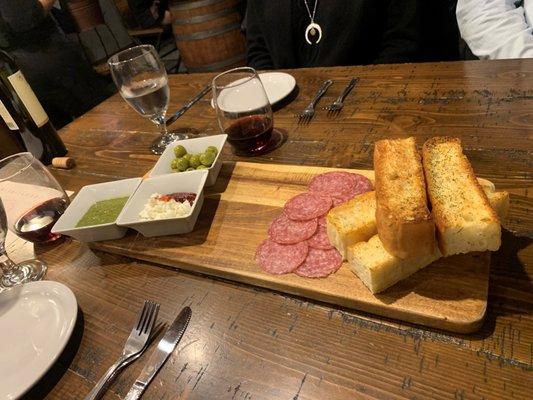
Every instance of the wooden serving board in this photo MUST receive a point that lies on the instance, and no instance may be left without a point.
(451, 294)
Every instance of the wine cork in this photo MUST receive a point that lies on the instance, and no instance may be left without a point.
(63, 162)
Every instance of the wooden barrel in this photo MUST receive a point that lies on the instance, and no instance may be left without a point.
(208, 34)
(87, 14)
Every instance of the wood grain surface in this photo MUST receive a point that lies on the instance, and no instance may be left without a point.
(451, 294)
(250, 343)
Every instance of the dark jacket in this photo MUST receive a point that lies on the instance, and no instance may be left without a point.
(55, 67)
(354, 32)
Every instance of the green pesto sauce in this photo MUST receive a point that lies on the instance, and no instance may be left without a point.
(103, 212)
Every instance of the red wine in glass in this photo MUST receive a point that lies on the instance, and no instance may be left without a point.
(36, 224)
(250, 134)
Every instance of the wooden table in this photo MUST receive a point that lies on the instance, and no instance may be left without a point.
(247, 343)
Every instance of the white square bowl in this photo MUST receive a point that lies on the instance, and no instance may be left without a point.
(196, 145)
(86, 197)
(193, 182)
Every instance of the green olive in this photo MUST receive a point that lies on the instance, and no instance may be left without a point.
(207, 158)
(174, 164)
(179, 151)
(187, 156)
(201, 167)
(190, 169)
(212, 149)
(194, 161)
(182, 164)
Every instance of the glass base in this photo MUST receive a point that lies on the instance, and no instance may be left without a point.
(26, 271)
(160, 144)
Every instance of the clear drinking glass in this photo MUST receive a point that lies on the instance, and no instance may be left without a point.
(31, 201)
(243, 110)
(142, 81)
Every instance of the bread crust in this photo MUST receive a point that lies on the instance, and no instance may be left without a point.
(403, 220)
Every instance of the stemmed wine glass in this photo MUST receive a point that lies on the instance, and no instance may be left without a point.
(142, 81)
(31, 201)
(243, 110)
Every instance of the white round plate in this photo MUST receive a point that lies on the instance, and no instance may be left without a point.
(36, 321)
(278, 85)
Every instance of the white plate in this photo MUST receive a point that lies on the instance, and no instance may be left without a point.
(36, 321)
(278, 85)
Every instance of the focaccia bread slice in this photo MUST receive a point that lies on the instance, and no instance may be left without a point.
(403, 220)
(464, 219)
(352, 222)
(378, 269)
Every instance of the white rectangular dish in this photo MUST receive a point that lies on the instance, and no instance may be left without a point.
(195, 145)
(193, 182)
(86, 197)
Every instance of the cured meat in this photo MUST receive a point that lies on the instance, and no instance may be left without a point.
(341, 186)
(278, 258)
(307, 206)
(320, 239)
(286, 231)
(322, 220)
(319, 263)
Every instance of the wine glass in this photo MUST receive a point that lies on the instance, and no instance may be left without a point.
(14, 274)
(142, 81)
(33, 199)
(243, 110)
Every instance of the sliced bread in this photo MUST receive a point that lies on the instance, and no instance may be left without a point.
(403, 219)
(464, 219)
(352, 222)
(378, 269)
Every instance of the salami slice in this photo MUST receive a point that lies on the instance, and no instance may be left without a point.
(320, 239)
(278, 258)
(332, 183)
(286, 231)
(322, 220)
(342, 186)
(307, 206)
(362, 184)
(320, 263)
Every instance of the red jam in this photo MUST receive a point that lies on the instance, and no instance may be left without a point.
(180, 197)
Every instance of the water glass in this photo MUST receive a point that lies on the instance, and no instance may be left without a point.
(142, 81)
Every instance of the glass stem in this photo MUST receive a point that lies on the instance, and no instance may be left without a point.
(5, 262)
(162, 125)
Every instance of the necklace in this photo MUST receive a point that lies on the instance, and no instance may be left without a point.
(313, 28)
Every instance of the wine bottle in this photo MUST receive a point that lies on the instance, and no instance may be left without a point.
(10, 141)
(27, 113)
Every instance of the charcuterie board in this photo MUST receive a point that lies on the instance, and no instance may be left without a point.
(450, 294)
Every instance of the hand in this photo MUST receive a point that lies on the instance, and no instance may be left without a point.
(47, 5)
(167, 19)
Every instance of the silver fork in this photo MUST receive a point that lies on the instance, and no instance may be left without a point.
(336, 106)
(135, 345)
(309, 111)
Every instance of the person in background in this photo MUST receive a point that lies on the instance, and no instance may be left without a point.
(312, 33)
(495, 29)
(64, 82)
(150, 13)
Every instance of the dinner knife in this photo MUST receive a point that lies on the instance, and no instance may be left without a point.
(164, 348)
(191, 103)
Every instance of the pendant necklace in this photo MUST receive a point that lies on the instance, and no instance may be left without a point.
(313, 29)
